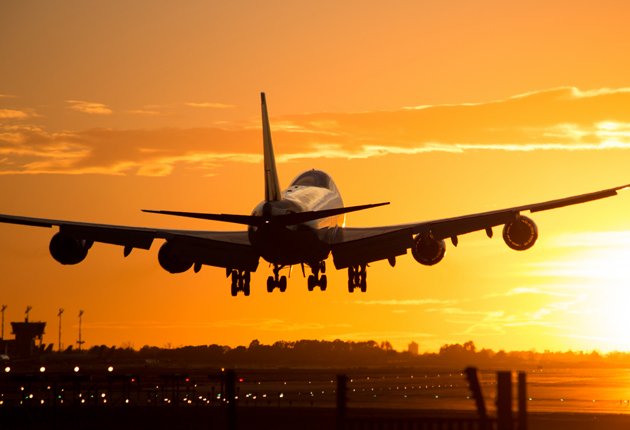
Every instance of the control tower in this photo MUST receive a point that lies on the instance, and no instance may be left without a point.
(26, 333)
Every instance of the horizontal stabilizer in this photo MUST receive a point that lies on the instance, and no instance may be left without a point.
(257, 220)
(236, 219)
(302, 217)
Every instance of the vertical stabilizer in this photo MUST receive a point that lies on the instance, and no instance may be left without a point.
(272, 185)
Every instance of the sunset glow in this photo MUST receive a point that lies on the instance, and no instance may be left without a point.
(442, 108)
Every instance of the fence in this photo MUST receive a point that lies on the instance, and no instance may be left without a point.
(217, 398)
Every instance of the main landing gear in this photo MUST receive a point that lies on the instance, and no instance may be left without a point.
(240, 281)
(315, 280)
(275, 281)
(357, 278)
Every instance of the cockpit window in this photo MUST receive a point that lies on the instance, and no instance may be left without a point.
(313, 178)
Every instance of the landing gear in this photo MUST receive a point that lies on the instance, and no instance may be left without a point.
(315, 280)
(357, 278)
(277, 281)
(240, 282)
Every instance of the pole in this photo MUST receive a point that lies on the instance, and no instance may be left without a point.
(59, 315)
(4, 308)
(80, 342)
(342, 401)
(522, 401)
(230, 398)
(504, 401)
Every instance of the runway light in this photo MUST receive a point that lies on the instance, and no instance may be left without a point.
(76, 369)
(42, 369)
(110, 369)
(7, 369)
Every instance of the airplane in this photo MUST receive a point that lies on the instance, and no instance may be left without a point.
(301, 225)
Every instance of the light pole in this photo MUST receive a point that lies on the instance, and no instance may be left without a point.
(4, 308)
(26, 312)
(80, 342)
(59, 315)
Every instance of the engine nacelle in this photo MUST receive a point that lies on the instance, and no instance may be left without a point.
(520, 234)
(427, 250)
(67, 249)
(172, 260)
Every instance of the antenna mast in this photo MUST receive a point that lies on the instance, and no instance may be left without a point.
(4, 308)
(59, 315)
(80, 342)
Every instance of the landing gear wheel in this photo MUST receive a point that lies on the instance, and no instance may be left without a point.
(240, 282)
(283, 284)
(357, 278)
(271, 284)
(315, 280)
(323, 282)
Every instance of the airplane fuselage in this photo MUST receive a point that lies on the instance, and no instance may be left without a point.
(313, 190)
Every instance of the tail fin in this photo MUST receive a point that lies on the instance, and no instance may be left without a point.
(272, 185)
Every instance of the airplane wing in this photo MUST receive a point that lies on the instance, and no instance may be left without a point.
(230, 250)
(357, 246)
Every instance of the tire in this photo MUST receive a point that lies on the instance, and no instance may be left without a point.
(311, 283)
(271, 284)
(323, 282)
(283, 284)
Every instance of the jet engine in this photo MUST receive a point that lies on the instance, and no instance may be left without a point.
(427, 250)
(520, 234)
(171, 259)
(67, 249)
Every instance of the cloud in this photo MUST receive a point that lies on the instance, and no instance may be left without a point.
(91, 108)
(561, 119)
(33, 150)
(591, 239)
(411, 302)
(534, 291)
(13, 114)
(274, 324)
(208, 105)
(551, 315)
(378, 335)
(265, 324)
(144, 112)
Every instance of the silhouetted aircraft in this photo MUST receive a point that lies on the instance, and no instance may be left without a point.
(301, 225)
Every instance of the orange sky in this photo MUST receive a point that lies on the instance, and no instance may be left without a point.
(441, 107)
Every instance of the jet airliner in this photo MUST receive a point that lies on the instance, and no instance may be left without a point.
(302, 225)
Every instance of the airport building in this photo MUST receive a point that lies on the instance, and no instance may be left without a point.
(28, 341)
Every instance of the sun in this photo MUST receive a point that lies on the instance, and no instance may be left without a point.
(600, 271)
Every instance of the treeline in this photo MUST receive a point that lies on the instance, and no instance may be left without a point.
(337, 353)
